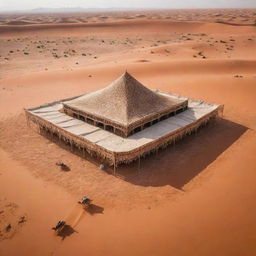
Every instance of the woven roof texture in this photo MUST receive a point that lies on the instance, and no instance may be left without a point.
(125, 101)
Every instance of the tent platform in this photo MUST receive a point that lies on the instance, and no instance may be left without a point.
(112, 148)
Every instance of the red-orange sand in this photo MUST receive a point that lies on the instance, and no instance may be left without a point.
(195, 199)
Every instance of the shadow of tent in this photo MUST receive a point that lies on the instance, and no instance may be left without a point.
(75, 150)
(95, 209)
(176, 166)
(66, 231)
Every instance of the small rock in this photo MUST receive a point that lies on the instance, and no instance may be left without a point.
(8, 228)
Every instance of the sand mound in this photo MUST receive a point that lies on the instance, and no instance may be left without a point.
(124, 26)
(11, 219)
(18, 22)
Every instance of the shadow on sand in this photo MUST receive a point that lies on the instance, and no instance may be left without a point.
(66, 231)
(94, 209)
(176, 166)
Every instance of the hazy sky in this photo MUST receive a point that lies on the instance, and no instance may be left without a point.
(31, 4)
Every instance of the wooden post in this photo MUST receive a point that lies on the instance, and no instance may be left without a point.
(51, 133)
(114, 168)
(38, 128)
(114, 161)
(139, 164)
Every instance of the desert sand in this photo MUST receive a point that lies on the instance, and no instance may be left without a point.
(197, 198)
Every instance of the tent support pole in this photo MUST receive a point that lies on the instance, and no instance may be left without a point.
(114, 164)
(38, 128)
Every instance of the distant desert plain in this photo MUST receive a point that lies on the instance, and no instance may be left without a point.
(197, 198)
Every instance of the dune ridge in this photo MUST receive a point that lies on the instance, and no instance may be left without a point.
(196, 198)
(189, 26)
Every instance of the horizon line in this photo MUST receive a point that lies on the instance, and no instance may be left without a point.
(120, 8)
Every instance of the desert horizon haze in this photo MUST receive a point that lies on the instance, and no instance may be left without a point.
(13, 5)
(195, 197)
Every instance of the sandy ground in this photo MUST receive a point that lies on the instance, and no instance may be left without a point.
(195, 199)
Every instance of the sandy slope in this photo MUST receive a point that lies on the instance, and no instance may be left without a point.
(238, 17)
(196, 199)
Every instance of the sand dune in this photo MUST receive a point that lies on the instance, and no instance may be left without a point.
(18, 22)
(237, 16)
(194, 199)
(124, 26)
(236, 24)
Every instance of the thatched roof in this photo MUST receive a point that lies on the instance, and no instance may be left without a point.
(125, 101)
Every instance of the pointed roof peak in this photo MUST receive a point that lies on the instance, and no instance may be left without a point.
(127, 75)
(124, 101)
(126, 80)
